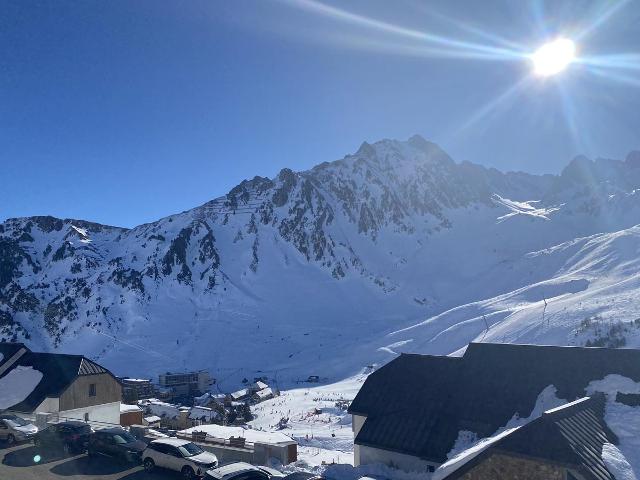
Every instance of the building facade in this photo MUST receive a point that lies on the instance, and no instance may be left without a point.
(410, 412)
(61, 387)
(190, 383)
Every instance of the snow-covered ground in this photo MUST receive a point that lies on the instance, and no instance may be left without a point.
(321, 428)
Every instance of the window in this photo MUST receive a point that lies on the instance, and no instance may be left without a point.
(190, 449)
(92, 389)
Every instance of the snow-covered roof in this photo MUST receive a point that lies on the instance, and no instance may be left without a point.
(162, 409)
(574, 434)
(454, 388)
(152, 419)
(250, 435)
(203, 412)
(261, 385)
(124, 408)
(240, 394)
(469, 454)
(264, 393)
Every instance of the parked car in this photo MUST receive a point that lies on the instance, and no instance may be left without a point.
(71, 437)
(116, 442)
(15, 429)
(243, 471)
(179, 455)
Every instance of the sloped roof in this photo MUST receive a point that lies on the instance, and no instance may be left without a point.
(58, 372)
(571, 435)
(9, 349)
(417, 404)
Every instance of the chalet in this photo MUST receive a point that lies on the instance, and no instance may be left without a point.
(564, 443)
(152, 421)
(262, 395)
(50, 386)
(240, 395)
(410, 413)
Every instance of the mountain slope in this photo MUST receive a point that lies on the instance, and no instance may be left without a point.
(327, 270)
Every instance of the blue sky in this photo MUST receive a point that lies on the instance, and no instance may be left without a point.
(123, 112)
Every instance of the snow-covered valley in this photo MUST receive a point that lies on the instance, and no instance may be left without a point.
(395, 248)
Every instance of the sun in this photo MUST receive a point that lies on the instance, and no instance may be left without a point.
(553, 57)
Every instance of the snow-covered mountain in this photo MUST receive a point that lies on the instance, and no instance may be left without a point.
(394, 248)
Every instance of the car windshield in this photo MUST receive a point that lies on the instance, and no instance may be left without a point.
(124, 437)
(190, 449)
(17, 422)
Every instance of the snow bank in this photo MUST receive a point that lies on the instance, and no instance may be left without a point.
(17, 385)
(547, 400)
(616, 463)
(622, 419)
(252, 436)
(124, 408)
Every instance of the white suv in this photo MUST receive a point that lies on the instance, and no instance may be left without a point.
(179, 455)
(15, 429)
(243, 471)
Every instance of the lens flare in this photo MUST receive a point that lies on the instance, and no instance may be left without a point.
(553, 57)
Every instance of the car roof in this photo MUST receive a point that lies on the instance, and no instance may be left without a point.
(111, 430)
(232, 469)
(176, 442)
(301, 476)
(72, 424)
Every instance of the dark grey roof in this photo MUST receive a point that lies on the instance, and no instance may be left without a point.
(572, 436)
(8, 350)
(58, 372)
(417, 404)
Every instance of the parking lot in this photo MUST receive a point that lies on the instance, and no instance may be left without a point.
(26, 462)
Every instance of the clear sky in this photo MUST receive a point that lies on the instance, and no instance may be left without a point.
(125, 111)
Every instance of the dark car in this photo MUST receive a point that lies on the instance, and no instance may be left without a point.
(72, 437)
(116, 442)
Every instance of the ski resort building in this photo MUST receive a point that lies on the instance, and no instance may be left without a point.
(52, 386)
(190, 383)
(565, 443)
(416, 411)
(134, 389)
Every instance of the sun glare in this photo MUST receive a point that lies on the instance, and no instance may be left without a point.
(553, 57)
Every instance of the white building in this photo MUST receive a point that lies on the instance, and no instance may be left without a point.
(51, 386)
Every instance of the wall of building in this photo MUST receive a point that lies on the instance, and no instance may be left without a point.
(49, 405)
(106, 414)
(131, 418)
(364, 455)
(506, 466)
(108, 390)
